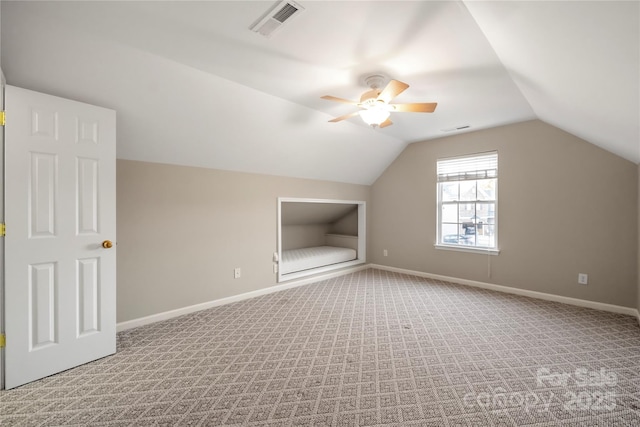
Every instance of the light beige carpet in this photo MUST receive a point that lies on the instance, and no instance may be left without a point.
(369, 348)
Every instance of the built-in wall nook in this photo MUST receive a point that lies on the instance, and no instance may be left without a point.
(319, 235)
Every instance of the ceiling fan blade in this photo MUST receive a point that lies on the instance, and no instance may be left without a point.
(334, 98)
(418, 107)
(346, 116)
(393, 89)
(385, 123)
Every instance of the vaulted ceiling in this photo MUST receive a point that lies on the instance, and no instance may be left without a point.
(193, 85)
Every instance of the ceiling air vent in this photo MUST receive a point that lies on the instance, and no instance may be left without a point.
(275, 17)
(455, 128)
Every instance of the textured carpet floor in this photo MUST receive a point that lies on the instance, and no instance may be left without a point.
(369, 348)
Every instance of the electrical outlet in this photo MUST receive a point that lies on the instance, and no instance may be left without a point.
(236, 273)
(384, 252)
(583, 278)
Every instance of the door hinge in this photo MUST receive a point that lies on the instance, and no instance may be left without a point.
(2, 118)
(3, 230)
(3, 341)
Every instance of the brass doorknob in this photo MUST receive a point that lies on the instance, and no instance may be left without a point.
(107, 244)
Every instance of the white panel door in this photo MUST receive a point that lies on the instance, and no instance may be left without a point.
(60, 214)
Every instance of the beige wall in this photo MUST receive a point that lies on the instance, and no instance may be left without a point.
(347, 225)
(303, 236)
(565, 207)
(182, 230)
(638, 259)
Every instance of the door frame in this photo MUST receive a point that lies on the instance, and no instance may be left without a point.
(2, 85)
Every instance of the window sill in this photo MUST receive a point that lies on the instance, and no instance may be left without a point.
(468, 249)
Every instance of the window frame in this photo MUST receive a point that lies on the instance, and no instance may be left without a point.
(494, 250)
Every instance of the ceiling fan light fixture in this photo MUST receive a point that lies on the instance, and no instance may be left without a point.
(376, 104)
(374, 116)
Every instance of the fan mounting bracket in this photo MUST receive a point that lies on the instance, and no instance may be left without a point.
(375, 81)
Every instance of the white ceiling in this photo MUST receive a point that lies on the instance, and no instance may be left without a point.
(193, 85)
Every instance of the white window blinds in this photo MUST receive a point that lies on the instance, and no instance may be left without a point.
(480, 166)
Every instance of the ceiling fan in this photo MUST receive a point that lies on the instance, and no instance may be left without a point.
(375, 103)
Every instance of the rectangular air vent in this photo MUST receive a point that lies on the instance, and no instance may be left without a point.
(276, 16)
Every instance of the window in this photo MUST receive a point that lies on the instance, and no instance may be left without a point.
(467, 200)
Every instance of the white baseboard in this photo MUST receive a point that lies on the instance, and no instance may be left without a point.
(129, 324)
(524, 292)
